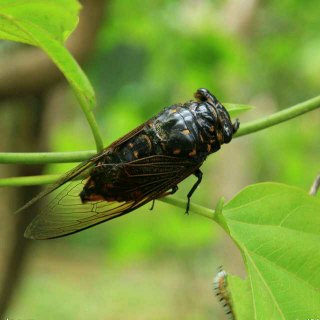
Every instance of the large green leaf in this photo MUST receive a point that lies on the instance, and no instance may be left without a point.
(277, 228)
(47, 24)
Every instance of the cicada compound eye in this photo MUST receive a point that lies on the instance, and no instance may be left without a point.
(203, 95)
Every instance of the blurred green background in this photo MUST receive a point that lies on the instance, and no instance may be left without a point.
(147, 55)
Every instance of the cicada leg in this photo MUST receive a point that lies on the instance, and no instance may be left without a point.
(173, 191)
(198, 174)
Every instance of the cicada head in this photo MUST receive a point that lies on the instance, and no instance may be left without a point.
(224, 124)
(225, 128)
(204, 95)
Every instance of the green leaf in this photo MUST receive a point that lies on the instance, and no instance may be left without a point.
(236, 109)
(242, 299)
(277, 228)
(57, 18)
(47, 24)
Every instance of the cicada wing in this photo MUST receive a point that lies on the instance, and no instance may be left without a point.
(82, 170)
(149, 178)
(66, 214)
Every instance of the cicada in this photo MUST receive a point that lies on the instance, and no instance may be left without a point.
(146, 164)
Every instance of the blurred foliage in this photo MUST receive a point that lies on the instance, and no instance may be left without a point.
(151, 54)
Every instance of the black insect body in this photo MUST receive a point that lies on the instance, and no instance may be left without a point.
(146, 164)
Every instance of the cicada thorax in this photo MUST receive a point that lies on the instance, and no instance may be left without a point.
(193, 130)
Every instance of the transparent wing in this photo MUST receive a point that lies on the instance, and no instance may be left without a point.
(66, 214)
(83, 168)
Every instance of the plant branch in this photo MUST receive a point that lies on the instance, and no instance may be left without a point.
(257, 125)
(194, 208)
(86, 108)
(29, 181)
(279, 117)
(44, 157)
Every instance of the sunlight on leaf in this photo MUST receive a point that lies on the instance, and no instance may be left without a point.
(277, 228)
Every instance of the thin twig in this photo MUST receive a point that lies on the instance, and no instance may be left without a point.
(278, 117)
(45, 157)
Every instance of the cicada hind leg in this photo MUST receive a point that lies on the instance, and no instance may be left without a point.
(173, 191)
(198, 173)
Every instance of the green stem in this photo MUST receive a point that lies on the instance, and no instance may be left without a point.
(85, 105)
(61, 157)
(29, 181)
(44, 157)
(279, 117)
(194, 208)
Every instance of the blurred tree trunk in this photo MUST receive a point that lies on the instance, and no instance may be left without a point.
(240, 16)
(22, 133)
(28, 82)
